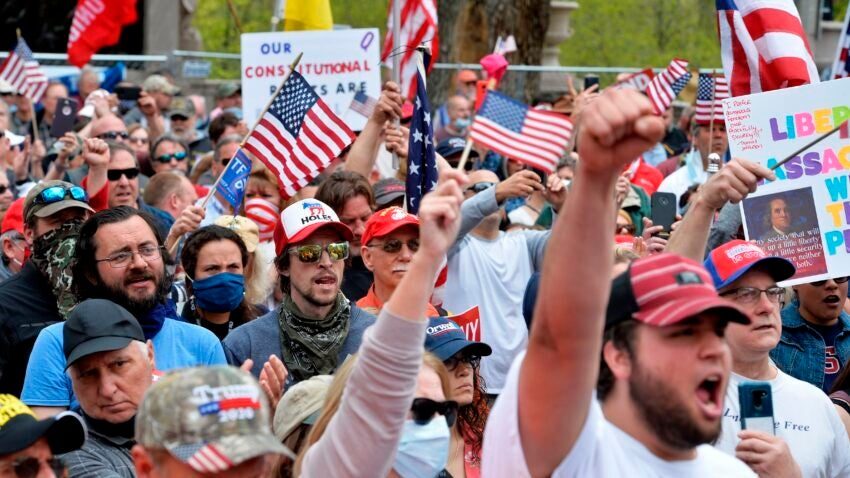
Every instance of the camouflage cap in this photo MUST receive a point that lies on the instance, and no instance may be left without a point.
(160, 83)
(211, 418)
(45, 210)
(181, 106)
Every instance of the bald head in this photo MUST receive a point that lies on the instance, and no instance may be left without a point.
(458, 107)
(483, 176)
(106, 124)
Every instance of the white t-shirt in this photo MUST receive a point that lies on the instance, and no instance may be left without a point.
(804, 417)
(602, 449)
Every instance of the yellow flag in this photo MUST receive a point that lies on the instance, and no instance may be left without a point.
(308, 15)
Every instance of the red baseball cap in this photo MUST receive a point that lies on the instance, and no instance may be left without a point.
(730, 261)
(664, 289)
(386, 221)
(14, 218)
(303, 218)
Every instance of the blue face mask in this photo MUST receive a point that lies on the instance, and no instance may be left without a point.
(462, 123)
(423, 450)
(219, 293)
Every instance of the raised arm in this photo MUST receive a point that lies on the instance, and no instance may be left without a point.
(561, 366)
(364, 151)
(734, 181)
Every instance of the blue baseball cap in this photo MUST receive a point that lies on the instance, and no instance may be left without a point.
(445, 338)
(727, 263)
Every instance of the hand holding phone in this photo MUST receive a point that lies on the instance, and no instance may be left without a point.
(664, 209)
(590, 80)
(64, 117)
(756, 399)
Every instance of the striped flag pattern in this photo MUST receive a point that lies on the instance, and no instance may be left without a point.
(840, 67)
(298, 136)
(363, 104)
(209, 459)
(23, 72)
(763, 46)
(265, 214)
(418, 25)
(709, 84)
(510, 128)
(660, 89)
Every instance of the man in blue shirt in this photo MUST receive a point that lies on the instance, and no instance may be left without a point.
(120, 257)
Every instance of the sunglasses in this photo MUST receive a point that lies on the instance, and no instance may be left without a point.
(138, 140)
(3, 188)
(28, 467)
(166, 158)
(113, 135)
(115, 174)
(478, 187)
(837, 280)
(309, 253)
(454, 361)
(392, 246)
(423, 410)
(59, 193)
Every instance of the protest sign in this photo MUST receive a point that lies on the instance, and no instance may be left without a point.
(337, 64)
(469, 322)
(803, 215)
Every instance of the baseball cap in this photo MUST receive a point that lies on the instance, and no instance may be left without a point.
(181, 106)
(6, 87)
(19, 428)
(406, 110)
(159, 83)
(45, 210)
(451, 146)
(300, 404)
(244, 227)
(228, 89)
(664, 289)
(14, 139)
(303, 218)
(13, 220)
(211, 418)
(387, 190)
(386, 221)
(728, 262)
(98, 325)
(445, 338)
(265, 214)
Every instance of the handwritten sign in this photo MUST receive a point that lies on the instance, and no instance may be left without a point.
(804, 215)
(336, 63)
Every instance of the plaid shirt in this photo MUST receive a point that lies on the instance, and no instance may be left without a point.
(101, 457)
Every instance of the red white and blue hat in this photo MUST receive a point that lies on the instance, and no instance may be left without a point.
(730, 261)
(303, 218)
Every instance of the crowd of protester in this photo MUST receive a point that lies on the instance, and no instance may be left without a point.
(314, 336)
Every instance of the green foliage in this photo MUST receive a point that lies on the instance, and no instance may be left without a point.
(642, 33)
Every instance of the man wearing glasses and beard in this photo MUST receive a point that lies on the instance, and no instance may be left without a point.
(315, 327)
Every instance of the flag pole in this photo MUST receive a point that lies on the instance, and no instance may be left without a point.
(809, 145)
(396, 63)
(713, 158)
(35, 135)
(234, 15)
(491, 85)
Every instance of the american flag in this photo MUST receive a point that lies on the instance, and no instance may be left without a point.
(363, 104)
(638, 81)
(418, 25)
(660, 90)
(709, 85)
(510, 128)
(763, 46)
(841, 67)
(298, 136)
(23, 72)
(421, 158)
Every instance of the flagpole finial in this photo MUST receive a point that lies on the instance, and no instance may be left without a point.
(18, 32)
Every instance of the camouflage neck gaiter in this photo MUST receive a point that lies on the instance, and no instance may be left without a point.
(53, 255)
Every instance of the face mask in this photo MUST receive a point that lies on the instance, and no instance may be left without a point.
(53, 255)
(219, 293)
(423, 450)
(462, 123)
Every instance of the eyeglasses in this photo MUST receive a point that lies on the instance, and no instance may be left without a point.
(482, 186)
(392, 246)
(58, 193)
(124, 258)
(137, 140)
(309, 253)
(749, 295)
(454, 361)
(423, 410)
(113, 135)
(166, 158)
(115, 174)
(28, 467)
(837, 280)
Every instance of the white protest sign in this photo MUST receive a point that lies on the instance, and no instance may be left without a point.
(803, 215)
(336, 63)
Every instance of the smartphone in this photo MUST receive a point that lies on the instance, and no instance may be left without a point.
(756, 401)
(590, 80)
(130, 93)
(64, 118)
(664, 209)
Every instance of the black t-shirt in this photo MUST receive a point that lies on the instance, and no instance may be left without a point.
(356, 280)
(832, 366)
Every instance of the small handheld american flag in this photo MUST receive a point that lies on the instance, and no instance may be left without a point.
(711, 90)
(363, 104)
(23, 72)
(665, 87)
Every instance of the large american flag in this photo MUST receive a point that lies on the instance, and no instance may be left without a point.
(298, 136)
(710, 85)
(763, 46)
(421, 159)
(23, 72)
(418, 25)
(661, 89)
(841, 67)
(510, 128)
